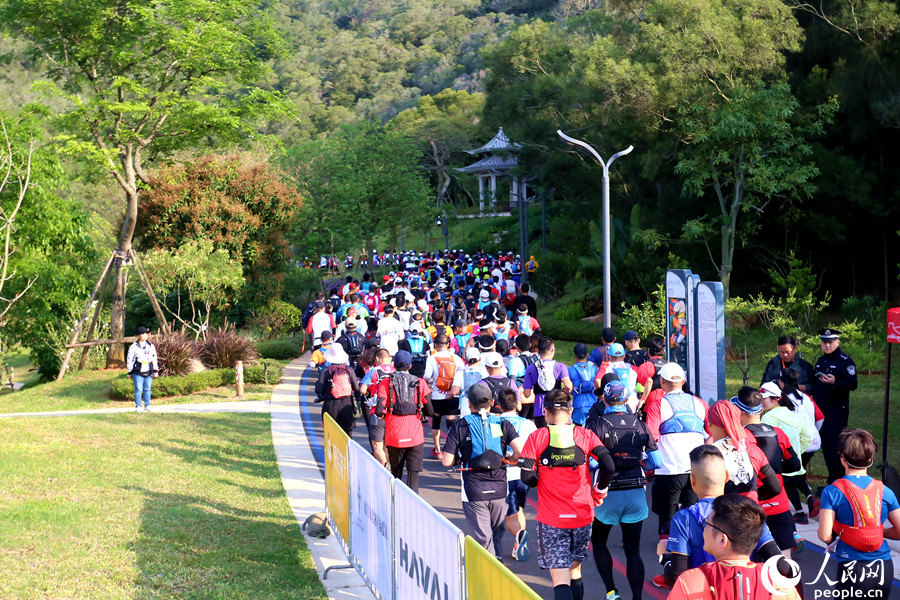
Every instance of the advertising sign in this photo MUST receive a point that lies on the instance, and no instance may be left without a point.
(370, 525)
(337, 478)
(893, 325)
(427, 548)
(710, 330)
(678, 282)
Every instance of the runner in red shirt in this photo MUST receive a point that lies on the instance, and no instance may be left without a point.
(403, 401)
(555, 461)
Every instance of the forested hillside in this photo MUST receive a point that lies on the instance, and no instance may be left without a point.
(766, 132)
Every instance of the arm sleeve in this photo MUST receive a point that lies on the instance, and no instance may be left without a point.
(770, 486)
(678, 564)
(527, 461)
(606, 466)
(322, 383)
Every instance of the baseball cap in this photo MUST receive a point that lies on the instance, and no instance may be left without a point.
(478, 393)
(608, 334)
(386, 278)
(631, 335)
(580, 350)
(484, 295)
(616, 350)
(522, 310)
(492, 359)
(350, 324)
(672, 372)
(615, 391)
(141, 330)
(770, 389)
(472, 353)
(402, 359)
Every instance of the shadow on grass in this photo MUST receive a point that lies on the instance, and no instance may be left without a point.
(258, 459)
(190, 547)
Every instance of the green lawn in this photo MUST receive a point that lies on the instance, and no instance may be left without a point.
(90, 389)
(142, 506)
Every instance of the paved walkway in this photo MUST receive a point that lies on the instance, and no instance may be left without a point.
(304, 483)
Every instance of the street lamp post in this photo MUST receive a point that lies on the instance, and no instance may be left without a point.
(607, 271)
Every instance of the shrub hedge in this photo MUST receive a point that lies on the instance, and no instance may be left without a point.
(576, 331)
(279, 349)
(122, 387)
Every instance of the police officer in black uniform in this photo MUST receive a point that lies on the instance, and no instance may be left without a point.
(834, 379)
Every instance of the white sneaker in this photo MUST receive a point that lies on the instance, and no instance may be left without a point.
(138, 409)
(147, 408)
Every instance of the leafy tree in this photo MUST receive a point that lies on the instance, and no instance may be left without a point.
(194, 280)
(749, 148)
(141, 80)
(361, 182)
(237, 203)
(46, 248)
(445, 125)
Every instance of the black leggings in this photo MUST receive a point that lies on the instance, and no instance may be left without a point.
(801, 486)
(634, 566)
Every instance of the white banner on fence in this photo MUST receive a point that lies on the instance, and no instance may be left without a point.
(370, 519)
(427, 548)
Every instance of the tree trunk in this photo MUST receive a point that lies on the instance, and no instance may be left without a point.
(115, 358)
(727, 264)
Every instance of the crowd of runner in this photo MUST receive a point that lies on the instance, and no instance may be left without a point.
(455, 340)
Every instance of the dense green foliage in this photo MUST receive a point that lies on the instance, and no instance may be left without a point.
(122, 387)
(278, 349)
(359, 181)
(765, 133)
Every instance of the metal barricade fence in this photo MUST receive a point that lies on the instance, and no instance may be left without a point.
(401, 545)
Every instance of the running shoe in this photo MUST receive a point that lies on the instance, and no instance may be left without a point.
(660, 582)
(799, 544)
(800, 518)
(814, 505)
(613, 595)
(147, 408)
(520, 547)
(138, 409)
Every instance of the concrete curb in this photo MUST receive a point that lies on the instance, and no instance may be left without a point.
(304, 484)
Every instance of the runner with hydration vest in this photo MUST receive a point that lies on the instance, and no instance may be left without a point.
(633, 450)
(403, 401)
(440, 371)
(479, 442)
(582, 374)
(555, 461)
(336, 386)
(854, 509)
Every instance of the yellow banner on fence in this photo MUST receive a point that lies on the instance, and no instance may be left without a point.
(337, 477)
(488, 579)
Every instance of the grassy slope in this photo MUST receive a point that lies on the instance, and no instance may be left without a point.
(90, 389)
(147, 506)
